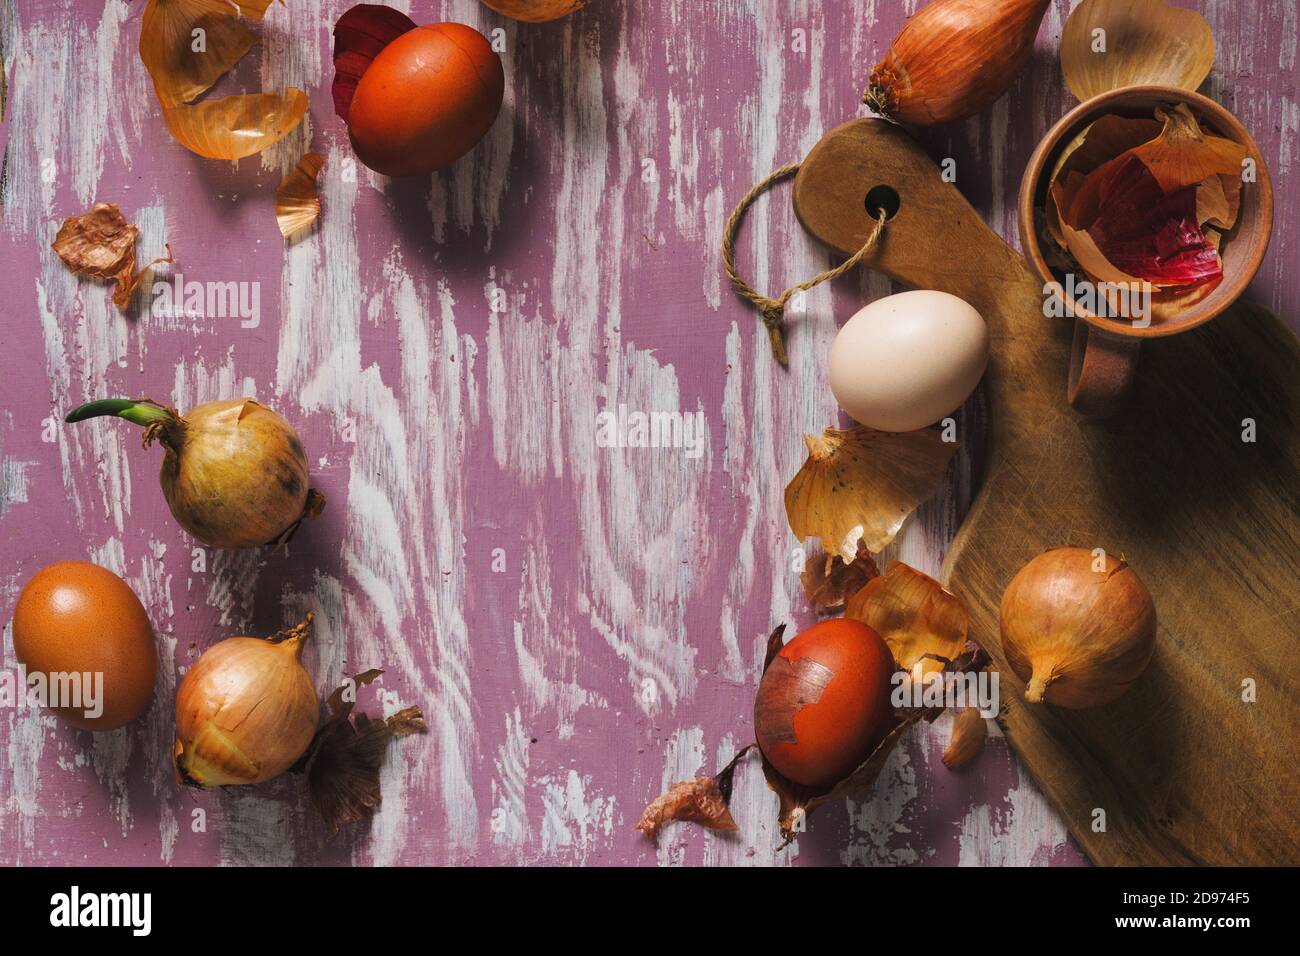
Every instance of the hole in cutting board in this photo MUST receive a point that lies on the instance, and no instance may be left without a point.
(882, 198)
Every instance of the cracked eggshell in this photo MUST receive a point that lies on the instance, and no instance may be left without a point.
(907, 360)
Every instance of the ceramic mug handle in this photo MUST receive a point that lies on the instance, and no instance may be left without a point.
(1101, 370)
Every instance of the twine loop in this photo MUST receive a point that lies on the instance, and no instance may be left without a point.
(771, 309)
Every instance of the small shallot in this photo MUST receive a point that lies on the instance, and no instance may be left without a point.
(954, 58)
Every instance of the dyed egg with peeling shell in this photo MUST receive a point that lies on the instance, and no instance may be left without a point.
(823, 704)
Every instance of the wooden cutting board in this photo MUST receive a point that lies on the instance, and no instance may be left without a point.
(1184, 770)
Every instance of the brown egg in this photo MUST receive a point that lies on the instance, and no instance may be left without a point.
(823, 705)
(426, 99)
(75, 617)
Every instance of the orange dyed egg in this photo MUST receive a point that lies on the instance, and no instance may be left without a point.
(427, 98)
(75, 619)
(823, 705)
(535, 11)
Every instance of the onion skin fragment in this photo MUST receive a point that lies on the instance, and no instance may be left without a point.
(704, 800)
(246, 711)
(230, 127)
(234, 472)
(297, 201)
(234, 127)
(101, 243)
(1077, 637)
(917, 616)
(858, 485)
(343, 762)
(954, 58)
(98, 242)
(1149, 43)
(359, 36)
(969, 731)
(828, 582)
(166, 38)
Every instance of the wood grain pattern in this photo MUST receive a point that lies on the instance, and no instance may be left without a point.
(1208, 520)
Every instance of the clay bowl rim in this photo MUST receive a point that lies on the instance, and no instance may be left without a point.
(1234, 281)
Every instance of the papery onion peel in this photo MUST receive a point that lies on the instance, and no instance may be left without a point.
(704, 800)
(969, 732)
(343, 761)
(297, 201)
(101, 243)
(236, 126)
(187, 45)
(828, 582)
(1135, 200)
(1147, 43)
(914, 613)
(359, 35)
(858, 485)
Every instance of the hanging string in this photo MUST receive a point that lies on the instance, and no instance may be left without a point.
(773, 310)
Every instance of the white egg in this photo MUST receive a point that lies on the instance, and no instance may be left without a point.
(907, 360)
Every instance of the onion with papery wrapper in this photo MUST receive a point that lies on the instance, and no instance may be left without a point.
(234, 472)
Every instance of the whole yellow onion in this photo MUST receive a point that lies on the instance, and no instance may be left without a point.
(1078, 627)
(246, 711)
(234, 472)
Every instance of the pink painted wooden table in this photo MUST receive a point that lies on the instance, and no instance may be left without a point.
(581, 624)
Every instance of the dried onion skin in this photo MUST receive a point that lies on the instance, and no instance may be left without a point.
(167, 37)
(229, 127)
(858, 485)
(1148, 43)
(101, 243)
(297, 201)
(234, 127)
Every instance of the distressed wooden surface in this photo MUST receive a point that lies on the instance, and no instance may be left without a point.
(1167, 761)
(445, 346)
